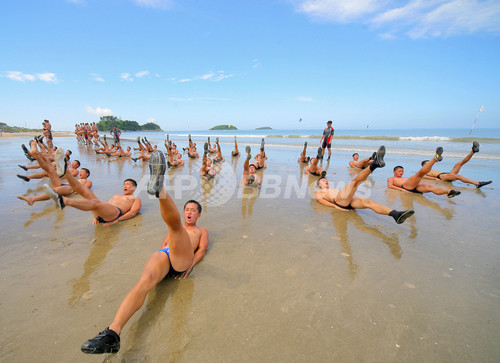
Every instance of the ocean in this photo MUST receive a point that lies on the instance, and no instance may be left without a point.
(397, 141)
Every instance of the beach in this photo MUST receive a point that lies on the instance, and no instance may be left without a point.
(284, 278)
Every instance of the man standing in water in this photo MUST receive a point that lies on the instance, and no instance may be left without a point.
(116, 134)
(182, 248)
(326, 139)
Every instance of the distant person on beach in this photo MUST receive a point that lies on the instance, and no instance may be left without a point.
(303, 158)
(235, 153)
(182, 248)
(174, 159)
(346, 201)
(47, 132)
(119, 152)
(313, 168)
(260, 158)
(326, 139)
(453, 174)
(218, 158)
(115, 132)
(360, 164)
(119, 208)
(207, 171)
(413, 185)
(250, 178)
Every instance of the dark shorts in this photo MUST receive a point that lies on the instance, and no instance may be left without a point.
(414, 190)
(101, 220)
(349, 207)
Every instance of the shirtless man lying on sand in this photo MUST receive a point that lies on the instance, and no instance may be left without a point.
(250, 178)
(345, 200)
(453, 174)
(313, 168)
(57, 184)
(303, 158)
(59, 156)
(119, 208)
(360, 164)
(413, 185)
(182, 248)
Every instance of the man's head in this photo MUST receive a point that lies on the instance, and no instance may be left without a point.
(424, 162)
(129, 186)
(192, 211)
(75, 164)
(355, 156)
(128, 148)
(252, 168)
(84, 173)
(323, 183)
(329, 123)
(398, 171)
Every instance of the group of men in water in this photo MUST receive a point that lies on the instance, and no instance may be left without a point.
(186, 243)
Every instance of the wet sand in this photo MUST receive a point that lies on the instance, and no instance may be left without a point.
(284, 279)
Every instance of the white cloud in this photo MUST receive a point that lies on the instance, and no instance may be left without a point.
(255, 63)
(141, 74)
(304, 99)
(23, 77)
(99, 111)
(155, 4)
(47, 77)
(97, 77)
(415, 18)
(126, 77)
(19, 76)
(338, 10)
(211, 76)
(151, 119)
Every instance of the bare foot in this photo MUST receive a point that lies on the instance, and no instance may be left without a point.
(28, 200)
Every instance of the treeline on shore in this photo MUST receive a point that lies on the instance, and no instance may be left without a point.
(108, 122)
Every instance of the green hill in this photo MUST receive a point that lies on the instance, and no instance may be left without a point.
(108, 122)
(224, 127)
(264, 128)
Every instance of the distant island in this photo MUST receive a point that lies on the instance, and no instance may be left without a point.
(6, 128)
(108, 122)
(264, 128)
(224, 127)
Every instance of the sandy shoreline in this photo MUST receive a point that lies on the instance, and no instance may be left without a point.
(6, 135)
(284, 279)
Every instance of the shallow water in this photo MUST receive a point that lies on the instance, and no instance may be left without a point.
(284, 279)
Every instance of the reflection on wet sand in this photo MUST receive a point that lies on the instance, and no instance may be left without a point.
(248, 198)
(340, 220)
(102, 242)
(408, 201)
(48, 210)
(173, 338)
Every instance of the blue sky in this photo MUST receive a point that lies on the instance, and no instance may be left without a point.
(183, 63)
